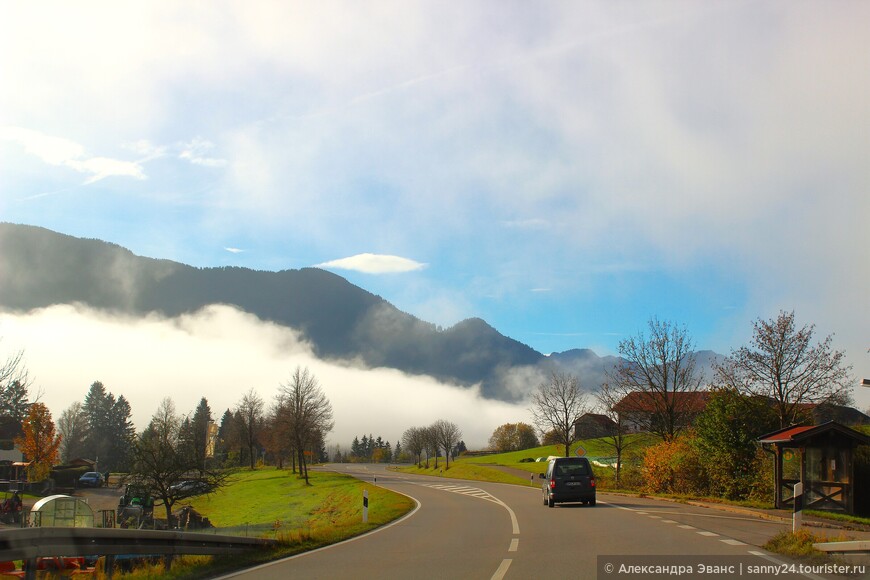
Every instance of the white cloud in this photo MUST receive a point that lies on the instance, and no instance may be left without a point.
(63, 152)
(374, 264)
(219, 353)
(196, 150)
(234, 250)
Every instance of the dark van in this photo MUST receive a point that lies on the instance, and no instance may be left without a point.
(568, 479)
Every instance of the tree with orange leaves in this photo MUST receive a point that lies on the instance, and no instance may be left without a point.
(38, 442)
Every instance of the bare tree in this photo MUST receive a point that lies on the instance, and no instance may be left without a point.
(14, 386)
(163, 465)
(250, 412)
(617, 436)
(413, 440)
(306, 412)
(657, 380)
(448, 435)
(430, 444)
(72, 426)
(782, 364)
(556, 406)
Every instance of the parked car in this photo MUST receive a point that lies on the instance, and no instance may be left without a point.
(568, 479)
(92, 479)
(190, 487)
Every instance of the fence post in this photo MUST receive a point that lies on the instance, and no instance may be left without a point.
(798, 506)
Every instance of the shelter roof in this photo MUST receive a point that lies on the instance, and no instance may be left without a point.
(801, 434)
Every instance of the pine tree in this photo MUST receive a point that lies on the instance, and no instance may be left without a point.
(97, 409)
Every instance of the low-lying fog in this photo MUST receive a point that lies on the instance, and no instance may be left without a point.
(219, 353)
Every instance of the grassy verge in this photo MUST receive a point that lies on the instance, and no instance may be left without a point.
(275, 503)
(839, 517)
(798, 545)
(460, 469)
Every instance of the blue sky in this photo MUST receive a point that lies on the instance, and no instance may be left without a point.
(564, 170)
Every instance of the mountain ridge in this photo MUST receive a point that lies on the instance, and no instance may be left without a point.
(40, 268)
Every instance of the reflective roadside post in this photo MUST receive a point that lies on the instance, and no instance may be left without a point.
(797, 518)
(365, 506)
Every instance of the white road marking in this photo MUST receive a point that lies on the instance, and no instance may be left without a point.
(478, 493)
(668, 522)
(731, 542)
(708, 534)
(502, 570)
(656, 517)
(687, 527)
(515, 543)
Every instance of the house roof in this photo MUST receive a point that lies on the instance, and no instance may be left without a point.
(801, 434)
(602, 420)
(645, 402)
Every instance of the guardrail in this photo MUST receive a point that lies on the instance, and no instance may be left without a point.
(852, 547)
(28, 544)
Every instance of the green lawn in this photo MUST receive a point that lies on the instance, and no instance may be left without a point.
(277, 504)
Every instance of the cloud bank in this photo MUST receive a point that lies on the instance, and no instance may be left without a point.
(219, 353)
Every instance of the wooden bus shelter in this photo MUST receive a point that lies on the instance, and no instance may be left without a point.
(820, 456)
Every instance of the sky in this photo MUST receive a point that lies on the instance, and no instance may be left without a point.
(563, 170)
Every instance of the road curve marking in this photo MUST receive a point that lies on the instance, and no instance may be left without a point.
(502, 569)
(478, 493)
(515, 543)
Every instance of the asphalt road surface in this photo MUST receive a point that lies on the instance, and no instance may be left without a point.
(469, 529)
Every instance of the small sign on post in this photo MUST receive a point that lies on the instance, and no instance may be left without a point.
(365, 506)
(798, 506)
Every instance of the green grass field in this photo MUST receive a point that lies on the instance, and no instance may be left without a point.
(277, 504)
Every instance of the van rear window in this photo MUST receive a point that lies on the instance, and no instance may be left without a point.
(572, 468)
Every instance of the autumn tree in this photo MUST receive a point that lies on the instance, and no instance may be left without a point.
(726, 434)
(783, 365)
(657, 378)
(513, 437)
(38, 442)
(556, 405)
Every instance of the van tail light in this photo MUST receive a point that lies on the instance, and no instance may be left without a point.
(552, 484)
(592, 481)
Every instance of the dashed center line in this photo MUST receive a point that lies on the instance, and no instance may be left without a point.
(515, 543)
(731, 542)
(709, 534)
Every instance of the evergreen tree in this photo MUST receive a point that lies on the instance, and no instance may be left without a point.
(199, 424)
(123, 435)
(98, 409)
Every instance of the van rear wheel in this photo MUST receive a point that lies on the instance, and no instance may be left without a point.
(550, 502)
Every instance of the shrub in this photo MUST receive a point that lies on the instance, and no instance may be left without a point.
(674, 466)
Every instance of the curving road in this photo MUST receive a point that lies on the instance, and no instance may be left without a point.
(470, 529)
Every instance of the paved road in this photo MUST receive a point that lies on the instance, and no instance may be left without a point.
(469, 529)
